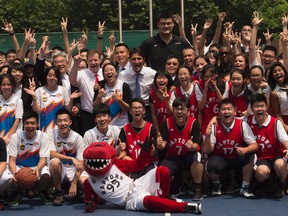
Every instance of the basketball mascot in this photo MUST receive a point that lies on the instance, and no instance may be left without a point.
(107, 180)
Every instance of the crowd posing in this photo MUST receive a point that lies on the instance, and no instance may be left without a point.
(217, 113)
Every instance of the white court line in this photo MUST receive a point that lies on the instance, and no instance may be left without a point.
(167, 214)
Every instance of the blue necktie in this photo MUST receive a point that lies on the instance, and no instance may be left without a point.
(137, 86)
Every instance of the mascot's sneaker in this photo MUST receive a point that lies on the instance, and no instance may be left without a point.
(195, 208)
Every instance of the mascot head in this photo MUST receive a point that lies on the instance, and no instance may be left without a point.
(98, 158)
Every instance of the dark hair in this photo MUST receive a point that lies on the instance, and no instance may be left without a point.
(30, 114)
(101, 109)
(103, 69)
(202, 57)
(18, 67)
(164, 15)
(214, 54)
(167, 75)
(257, 98)
(9, 77)
(138, 51)
(181, 102)
(219, 82)
(10, 51)
(121, 45)
(57, 73)
(183, 66)
(171, 57)
(227, 101)
(4, 66)
(271, 48)
(103, 60)
(63, 111)
(93, 52)
(139, 100)
(240, 71)
(58, 48)
(271, 81)
(246, 70)
(84, 50)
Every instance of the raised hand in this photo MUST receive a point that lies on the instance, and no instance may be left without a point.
(267, 35)
(208, 23)
(177, 18)
(63, 24)
(8, 27)
(194, 30)
(29, 34)
(228, 25)
(101, 28)
(117, 96)
(189, 143)
(75, 94)
(122, 145)
(30, 92)
(284, 20)
(73, 45)
(256, 18)
(32, 85)
(222, 16)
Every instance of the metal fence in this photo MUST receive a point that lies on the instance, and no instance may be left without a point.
(131, 38)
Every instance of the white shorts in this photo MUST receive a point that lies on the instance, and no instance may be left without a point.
(68, 172)
(144, 186)
(5, 176)
(44, 170)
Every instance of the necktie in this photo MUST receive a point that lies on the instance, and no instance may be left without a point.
(137, 86)
(96, 79)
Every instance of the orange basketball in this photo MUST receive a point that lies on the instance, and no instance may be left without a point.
(26, 178)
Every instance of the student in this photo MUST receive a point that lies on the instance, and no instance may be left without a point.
(103, 131)
(66, 157)
(137, 132)
(273, 145)
(230, 144)
(35, 145)
(180, 137)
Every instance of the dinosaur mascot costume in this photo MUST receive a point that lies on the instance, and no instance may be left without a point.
(107, 180)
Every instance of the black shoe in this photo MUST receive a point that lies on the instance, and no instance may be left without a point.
(58, 199)
(197, 192)
(279, 192)
(216, 189)
(195, 208)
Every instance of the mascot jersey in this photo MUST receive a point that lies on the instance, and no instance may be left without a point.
(9, 110)
(29, 151)
(72, 146)
(50, 102)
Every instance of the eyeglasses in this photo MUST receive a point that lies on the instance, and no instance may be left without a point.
(59, 61)
(268, 56)
(180, 109)
(224, 53)
(136, 108)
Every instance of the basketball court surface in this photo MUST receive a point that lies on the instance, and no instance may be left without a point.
(224, 205)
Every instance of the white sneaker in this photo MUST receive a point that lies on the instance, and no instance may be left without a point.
(216, 189)
(195, 208)
(244, 191)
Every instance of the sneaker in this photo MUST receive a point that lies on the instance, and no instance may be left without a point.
(216, 189)
(279, 192)
(197, 192)
(244, 191)
(1, 206)
(58, 201)
(232, 188)
(45, 198)
(183, 190)
(195, 208)
(15, 200)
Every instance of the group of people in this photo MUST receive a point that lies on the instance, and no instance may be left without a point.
(216, 114)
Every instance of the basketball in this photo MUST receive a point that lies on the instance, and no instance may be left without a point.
(25, 178)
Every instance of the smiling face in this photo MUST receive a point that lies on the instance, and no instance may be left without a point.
(199, 64)
(122, 55)
(102, 120)
(256, 77)
(239, 62)
(180, 114)
(137, 62)
(227, 114)
(137, 111)
(94, 62)
(63, 123)
(30, 126)
(110, 74)
(237, 80)
(184, 76)
(161, 82)
(259, 109)
(165, 25)
(279, 75)
(6, 88)
(188, 57)
(172, 65)
(52, 79)
(268, 58)
(18, 75)
(61, 63)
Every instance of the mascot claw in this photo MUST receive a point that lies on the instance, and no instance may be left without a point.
(90, 206)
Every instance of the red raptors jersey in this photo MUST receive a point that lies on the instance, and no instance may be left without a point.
(211, 108)
(239, 102)
(160, 107)
(177, 139)
(192, 100)
(133, 138)
(269, 146)
(226, 142)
